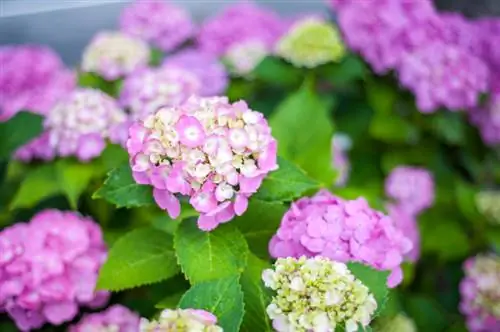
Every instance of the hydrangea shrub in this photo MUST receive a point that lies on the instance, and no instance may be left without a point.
(255, 171)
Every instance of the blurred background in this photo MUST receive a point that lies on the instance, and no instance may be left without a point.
(68, 25)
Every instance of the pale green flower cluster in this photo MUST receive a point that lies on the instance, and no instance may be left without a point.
(488, 203)
(316, 294)
(398, 323)
(181, 320)
(311, 42)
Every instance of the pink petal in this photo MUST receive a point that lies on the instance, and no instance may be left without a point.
(58, 313)
(240, 204)
(168, 202)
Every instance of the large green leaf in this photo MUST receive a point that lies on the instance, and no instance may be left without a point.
(222, 297)
(259, 223)
(450, 126)
(66, 176)
(286, 184)
(275, 71)
(210, 255)
(375, 280)
(17, 131)
(121, 189)
(143, 256)
(303, 128)
(257, 296)
(350, 69)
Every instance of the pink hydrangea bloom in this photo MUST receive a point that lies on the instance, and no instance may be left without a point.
(38, 148)
(340, 159)
(341, 230)
(145, 91)
(239, 23)
(442, 75)
(164, 25)
(487, 119)
(407, 224)
(210, 72)
(80, 124)
(480, 293)
(384, 31)
(49, 267)
(114, 55)
(31, 78)
(410, 187)
(116, 318)
(215, 152)
(489, 34)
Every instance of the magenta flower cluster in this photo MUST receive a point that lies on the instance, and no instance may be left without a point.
(487, 118)
(407, 224)
(145, 91)
(208, 149)
(163, 25)
(430, 52)
(31, 78)
(241, 23)
(341, 230)
(210, 72)
(411, 187)
(116, 318)
(49, 267)
(480, 294)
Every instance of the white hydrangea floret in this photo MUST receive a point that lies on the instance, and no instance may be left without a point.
(316, 294)
(181, 320)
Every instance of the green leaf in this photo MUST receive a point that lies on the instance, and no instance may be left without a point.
(170, 302)
(303, 128)
(375, 280)
(426, 313)
(17, 131)
(351, 68)
(392, 128)
(38, 184)
(275, 71)
(156, 57)
(286, 183)
(466, 201)
(143, 256)
(442, 234)
(222, 297)
(493, 237)
(449, 126)
(257, 296)
(210, 255)
(121, 189)
(381, 96)
(259, 223)
(73, 179)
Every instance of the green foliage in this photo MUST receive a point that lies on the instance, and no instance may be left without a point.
(141, 257)
(211, 255)
(349, 70)
(257, 296)
(222, 297)
(303, 128)
(286, 184)
(121, 189)
(259, 224)
(275, 71)
(17, 131)
(376, 281)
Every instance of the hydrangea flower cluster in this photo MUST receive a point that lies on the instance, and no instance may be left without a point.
(343, 231)
(239, 23)
(80, 124)
(145, 91)
(480, 293)
(316, 294)
(114, 55)
(407, 224)
(487, 119)
(435, 55)
(443, 75)
(158, 22)
(182, 320)
(38, 148)
(341, 143)
(243, 57)
(49, 267)
(32, 78)
(488, 203)
(116, 318)
(311, 42)
(210, 72)
(410, 187)
(215, 152)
